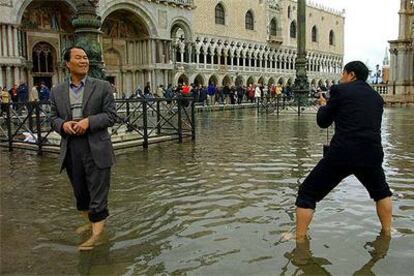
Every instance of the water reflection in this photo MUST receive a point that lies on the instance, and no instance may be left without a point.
(302, 258)
(378, 250)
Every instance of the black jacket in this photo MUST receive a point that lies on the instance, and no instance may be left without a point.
(356, 109)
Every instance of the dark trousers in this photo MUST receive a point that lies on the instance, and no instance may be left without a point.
(90, 184)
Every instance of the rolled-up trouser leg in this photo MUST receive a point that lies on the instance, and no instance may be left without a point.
(98, 182)
(321, 180)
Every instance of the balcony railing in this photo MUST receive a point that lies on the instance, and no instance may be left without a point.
(178, 2)
(382, 89)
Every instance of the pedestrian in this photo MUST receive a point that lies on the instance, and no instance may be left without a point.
(257, 94)
(356, 109)
(23, 92)
(14, 96)
(160, 91)
(82, 109)
(5, 100)
(211, 91)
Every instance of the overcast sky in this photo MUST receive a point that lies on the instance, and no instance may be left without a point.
(369, 24)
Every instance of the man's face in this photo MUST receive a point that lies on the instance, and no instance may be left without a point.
(347, 77)
(78, 63)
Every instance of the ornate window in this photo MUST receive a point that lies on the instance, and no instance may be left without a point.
(220, 14)
(42, 58)
(314, 34)
(293, 29)
(249, 19)
(273, 27)
(332, 38)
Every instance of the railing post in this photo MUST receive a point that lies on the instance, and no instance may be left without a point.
(180, 123)
(158, 118)
(145, 123)
(39, 130)
(193, 129)
(277, 105)
(128, 112)
(9, 130)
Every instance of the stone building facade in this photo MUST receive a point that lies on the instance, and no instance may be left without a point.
(171, 41)
(246, 42)
(401, 82)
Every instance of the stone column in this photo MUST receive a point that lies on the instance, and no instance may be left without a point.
(16, 42)
(4, 39)
(10, 39)
(205, 60)
(1, 37)
(1, 76)
(16, 75)
(154, 52)
(9, 77)
(161, 55)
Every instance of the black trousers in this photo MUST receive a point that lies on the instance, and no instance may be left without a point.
(90, 184)
(327, 175)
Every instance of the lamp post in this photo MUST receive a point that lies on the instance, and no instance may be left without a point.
(87, 35)
(301, 85)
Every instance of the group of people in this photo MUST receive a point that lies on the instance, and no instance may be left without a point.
(20, 95)
(82, 109)
(212, 94)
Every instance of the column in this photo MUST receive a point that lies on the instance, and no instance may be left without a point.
(10, 39)
(16, 42)
(9, 77)
(190, 52)
(16, 75)
(154, 52)
(231, 61)
(149, 53)
(197, 58)
(1, 77)
(4, 39)
(1, 37)
(205, 60)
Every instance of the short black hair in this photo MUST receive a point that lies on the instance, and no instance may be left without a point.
(359, 68)
(66, 56)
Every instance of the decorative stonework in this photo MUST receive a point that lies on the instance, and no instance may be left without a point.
(7, 3)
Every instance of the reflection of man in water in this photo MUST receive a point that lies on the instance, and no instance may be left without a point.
(379, 250)
(356, 109)
(302, 258)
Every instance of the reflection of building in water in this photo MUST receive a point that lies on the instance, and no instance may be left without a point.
(170, 41)
(402, 55)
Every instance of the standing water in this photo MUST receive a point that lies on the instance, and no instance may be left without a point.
(218, 206)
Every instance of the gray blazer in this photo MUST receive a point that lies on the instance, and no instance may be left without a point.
(99, 106)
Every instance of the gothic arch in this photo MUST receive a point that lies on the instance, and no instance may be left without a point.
(25, 3)
(184, 24)
(135, 8)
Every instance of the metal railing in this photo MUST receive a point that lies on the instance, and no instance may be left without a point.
(289, 104)
(139, 121)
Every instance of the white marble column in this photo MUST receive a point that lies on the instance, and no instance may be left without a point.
(10, 40)
(205, 60)
(9, 77)
(4, 39)
(16, 75)
(1, 77)
(1, 38)
(16, 42)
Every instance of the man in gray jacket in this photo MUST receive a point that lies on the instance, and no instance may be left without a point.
(82, 109)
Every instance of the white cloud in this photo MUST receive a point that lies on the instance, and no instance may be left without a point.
(369, 24)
